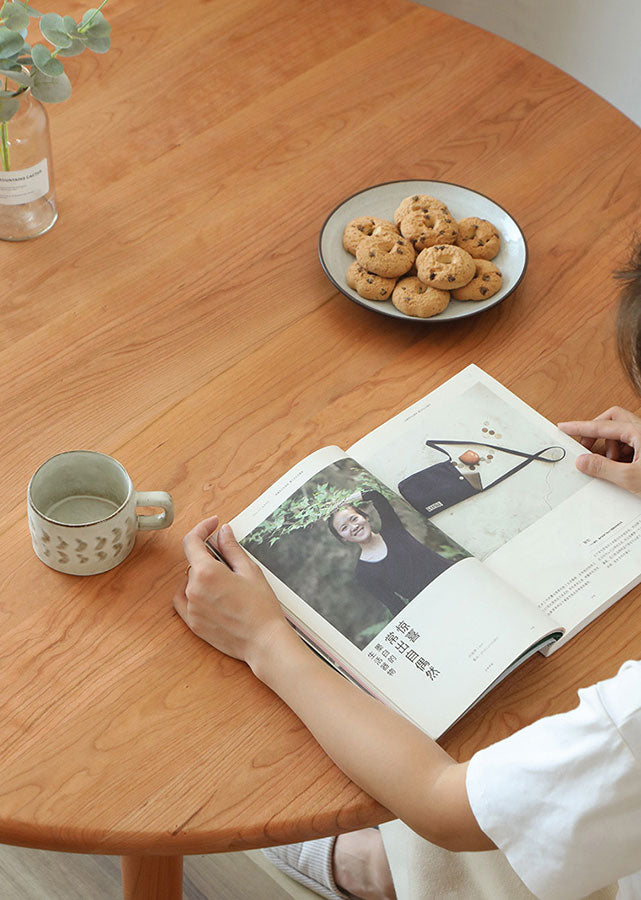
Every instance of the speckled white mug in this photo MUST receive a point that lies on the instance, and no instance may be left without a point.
(82, 512)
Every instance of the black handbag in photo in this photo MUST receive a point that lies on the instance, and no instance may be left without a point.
(442, 485)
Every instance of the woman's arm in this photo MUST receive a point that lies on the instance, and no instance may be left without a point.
(236, 611)
(386, 512)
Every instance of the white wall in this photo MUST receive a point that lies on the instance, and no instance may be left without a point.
(596, 41)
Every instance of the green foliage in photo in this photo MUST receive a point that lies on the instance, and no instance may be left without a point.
(313, 503)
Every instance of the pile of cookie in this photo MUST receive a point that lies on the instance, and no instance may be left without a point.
(423, 258)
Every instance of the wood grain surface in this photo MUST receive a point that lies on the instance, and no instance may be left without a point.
(177, 317)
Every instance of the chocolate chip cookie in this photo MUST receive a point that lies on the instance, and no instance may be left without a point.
(361, 227)
(486, 282)
(422, 203)
(479, 237)
(368, 285)
(414, 298)
(445, 266)
(424, 229)
(385, 254)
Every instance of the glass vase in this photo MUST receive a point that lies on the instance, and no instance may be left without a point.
(27, 197)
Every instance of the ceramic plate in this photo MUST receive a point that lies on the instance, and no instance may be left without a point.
(382, 199)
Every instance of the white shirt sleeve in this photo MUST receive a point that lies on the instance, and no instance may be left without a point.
(562, 797)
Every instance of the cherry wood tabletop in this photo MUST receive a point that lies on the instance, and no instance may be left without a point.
(177, 317)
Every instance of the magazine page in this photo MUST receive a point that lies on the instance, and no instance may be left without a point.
(564, 540)
(583, 557)
(393, 602)
(501, 492)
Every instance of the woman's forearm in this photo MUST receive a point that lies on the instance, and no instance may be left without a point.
(234, 609)
(382, 752)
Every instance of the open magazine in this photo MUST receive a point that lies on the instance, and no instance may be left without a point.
(433, 556)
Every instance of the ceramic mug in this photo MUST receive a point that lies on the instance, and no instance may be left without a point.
(82, 512)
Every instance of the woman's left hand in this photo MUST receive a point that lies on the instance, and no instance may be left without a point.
(620, 462)
(233, 609)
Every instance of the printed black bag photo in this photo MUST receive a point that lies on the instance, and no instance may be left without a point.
(444, 484)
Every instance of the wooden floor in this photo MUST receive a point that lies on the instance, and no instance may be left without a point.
(41, 875)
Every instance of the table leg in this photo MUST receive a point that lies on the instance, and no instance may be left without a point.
(152, 877)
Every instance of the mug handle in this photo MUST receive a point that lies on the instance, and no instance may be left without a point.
(160, 499)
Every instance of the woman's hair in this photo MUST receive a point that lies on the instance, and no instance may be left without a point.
(337, 509)
(628, 327)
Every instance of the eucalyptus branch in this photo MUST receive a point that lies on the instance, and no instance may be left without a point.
(39, 68)
(85, 26)
(4, 146)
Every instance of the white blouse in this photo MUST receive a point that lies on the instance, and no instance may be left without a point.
(562, 797)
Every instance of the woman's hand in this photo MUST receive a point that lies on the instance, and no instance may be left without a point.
(233, 609)
(618, 459)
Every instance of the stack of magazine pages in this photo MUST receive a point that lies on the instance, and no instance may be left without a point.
(445, 547)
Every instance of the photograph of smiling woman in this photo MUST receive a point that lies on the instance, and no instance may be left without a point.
(392, 564)
(351, 549)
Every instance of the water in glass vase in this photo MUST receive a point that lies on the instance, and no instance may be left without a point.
(27, 197)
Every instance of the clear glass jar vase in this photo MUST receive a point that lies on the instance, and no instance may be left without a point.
(27, 197)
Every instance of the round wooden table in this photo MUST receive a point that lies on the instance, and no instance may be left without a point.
(177, 318)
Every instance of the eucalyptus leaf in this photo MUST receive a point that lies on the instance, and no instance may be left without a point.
(18, 76)
(10, 41)
(53, 28)
(76, 47)
(8, 108)
(44, 62)
(70, 25)
(94, 22)
(14, 16)
(33, 13)
(97, 44)
(50, 90)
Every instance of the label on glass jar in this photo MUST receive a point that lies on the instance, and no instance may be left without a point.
(24, 185)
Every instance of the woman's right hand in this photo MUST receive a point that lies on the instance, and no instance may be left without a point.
(618, 460)
(232, 606)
